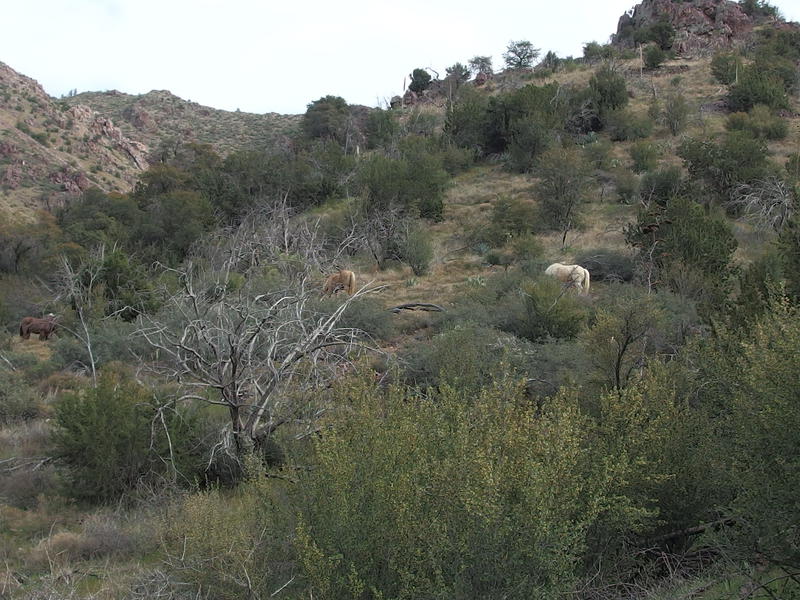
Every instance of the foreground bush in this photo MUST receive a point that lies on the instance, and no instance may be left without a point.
(454, 497)
(110, 438)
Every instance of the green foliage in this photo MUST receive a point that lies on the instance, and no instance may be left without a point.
(459, 72)
(548, 312)
(598, 153)
(661, 33)
(564, 179)
(382, 128)
(644, 156)
(417, 250)
(232, 544)
(654, 56)
(789, 247)
(520, 54)
(739, 158)
(326, 118)
(465, 356)
(510, 217)
(481, 64)
(415, 182)
(621, 337)
(623, 125)
(661, 185)
(454, 496)
(465, 120)
(18, 401)
(608, 90)
(676, 113)
(530, 137)
(726, 66)
(759, 122)
(420, 80)
(105, 439)
(757, 86)
(628, 186)
(686, 248)
(755, 375)
(593, 52)
(370, 316)
(758, 8)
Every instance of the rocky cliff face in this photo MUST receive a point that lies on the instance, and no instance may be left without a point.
(701, 26)
(50, 151)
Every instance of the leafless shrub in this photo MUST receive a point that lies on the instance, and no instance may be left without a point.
(767, 203)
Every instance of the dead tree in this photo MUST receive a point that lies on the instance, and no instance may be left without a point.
(261, 348)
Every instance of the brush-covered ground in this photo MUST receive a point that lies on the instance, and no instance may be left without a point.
(52, 546)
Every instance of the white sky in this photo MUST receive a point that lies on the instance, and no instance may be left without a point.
(265, 56)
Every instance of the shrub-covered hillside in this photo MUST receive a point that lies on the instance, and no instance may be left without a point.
(205, 422)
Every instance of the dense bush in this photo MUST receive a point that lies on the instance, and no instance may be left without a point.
(628, 186)
(725, 67)
(106, 439)
(654, 56)
(18, 400)
(644, 155)
(662, 184)
(606, 265)
(760, 123)
(417, 250)
(676, 113)
(608, 90)
(755, 86)
(460, 495)
(623, 125)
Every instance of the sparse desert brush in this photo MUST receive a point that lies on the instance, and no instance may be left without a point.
(22, 487)
(102, 537)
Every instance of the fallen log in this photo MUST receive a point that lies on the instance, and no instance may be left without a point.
(417, 306)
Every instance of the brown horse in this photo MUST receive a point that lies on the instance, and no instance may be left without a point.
(44, 327)
(343, 280)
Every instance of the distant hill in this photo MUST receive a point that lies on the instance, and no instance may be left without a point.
(160, 117)
(50, 151)
(53, 149)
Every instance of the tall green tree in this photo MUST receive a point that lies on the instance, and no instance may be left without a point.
(520, 54)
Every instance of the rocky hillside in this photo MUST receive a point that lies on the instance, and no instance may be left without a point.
(50, 151)
(701, 26)
(53, 149)
(159, 118)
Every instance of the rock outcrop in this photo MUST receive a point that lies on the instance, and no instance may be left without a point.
(701, 26)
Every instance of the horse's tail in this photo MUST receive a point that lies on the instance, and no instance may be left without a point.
(351, 283)
(586, 279)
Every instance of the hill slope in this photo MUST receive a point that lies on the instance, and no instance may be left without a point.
(159, 117)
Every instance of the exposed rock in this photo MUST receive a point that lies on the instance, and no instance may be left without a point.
(481, 78)
(396, 102)
(140, 118)
(410, 98)
(12, 177)
(7, 149)
(73, 182)
(700, 25)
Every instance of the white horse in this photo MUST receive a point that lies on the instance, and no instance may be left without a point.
(574, 275)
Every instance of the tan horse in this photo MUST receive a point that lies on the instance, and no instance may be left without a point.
(574, 275)
(343, 280)
(44, 327)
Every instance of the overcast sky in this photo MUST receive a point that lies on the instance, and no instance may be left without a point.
(277, 56)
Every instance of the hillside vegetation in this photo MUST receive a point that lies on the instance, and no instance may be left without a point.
(206, 423)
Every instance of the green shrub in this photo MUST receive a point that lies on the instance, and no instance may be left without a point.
(548, 312)
(18, 400)
(628, 186)
(644, 155)
(234, 545)
(793, 166)
(757, 87)
(662, 184)
(760, 123)
(464, 495)
(417, 251)
(105, 438)
(606, 265)
(598, 153)
(676, 113)
(654, 56)
(725, 67)
(370, 316)
(623, 125)
(608, 90)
